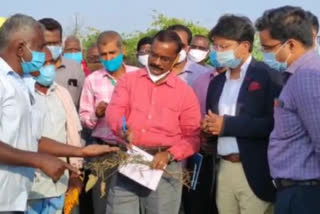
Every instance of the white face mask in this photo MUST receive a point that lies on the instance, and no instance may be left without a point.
(155, 78)
(196, 55)
(143, 59)
(182, 56)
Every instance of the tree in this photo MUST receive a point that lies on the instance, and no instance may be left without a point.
(90, 38)
(160, 21)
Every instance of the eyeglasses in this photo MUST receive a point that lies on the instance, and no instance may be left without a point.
(269, 48)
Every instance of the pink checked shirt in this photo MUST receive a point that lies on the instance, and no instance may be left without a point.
(98, 87)
(159, 115)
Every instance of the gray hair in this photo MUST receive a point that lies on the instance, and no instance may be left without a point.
(17, 23)
(110, 36)
(74, 38)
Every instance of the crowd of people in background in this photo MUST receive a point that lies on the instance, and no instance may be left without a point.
(256, 123)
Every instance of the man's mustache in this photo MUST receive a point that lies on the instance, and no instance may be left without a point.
(155, 67)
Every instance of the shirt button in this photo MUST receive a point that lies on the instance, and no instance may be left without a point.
(143, 130)
(149, 116)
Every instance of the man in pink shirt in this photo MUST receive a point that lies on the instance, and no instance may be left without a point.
(162, 114)
(96, 94)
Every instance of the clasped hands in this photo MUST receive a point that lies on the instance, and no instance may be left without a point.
(212, 124)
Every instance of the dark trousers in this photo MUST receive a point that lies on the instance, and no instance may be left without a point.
(85, 199)
(298, 200)
(202, 200)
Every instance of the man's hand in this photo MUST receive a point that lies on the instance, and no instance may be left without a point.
(97, 150)
(101, 109)
(204, 125)
(160, 160)
(53, 166)
(75, 182)
(127, 136)
(214, 123)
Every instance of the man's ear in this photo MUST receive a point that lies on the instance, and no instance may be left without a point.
(19, 45)
(123, 50)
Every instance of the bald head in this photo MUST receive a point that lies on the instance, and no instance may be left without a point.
(72, 44)
(19, 27)
(109, 37)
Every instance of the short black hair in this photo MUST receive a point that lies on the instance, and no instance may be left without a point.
(169, 36)
(144, 41)
(51, 25)
(238, 28)
(286, 23)
(184, 28)
(314, 20)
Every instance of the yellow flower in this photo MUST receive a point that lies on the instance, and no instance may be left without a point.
(71, 200)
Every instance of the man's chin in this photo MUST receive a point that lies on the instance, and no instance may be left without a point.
(156, 72)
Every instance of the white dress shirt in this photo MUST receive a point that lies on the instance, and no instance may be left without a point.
(54, 127)
(17, 130)
(228, 105)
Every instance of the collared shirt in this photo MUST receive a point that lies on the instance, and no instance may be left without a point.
(200, 87)
(159, 115)
(192, 71)
(54, 127)
(98, 87)
(17, 130)
(294, 149)
(71, 76)
(227, 106)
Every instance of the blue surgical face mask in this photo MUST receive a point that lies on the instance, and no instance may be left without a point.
(74, 56)
(37, 61)
(213, 59)
(270, 59)
(113, 64)
(47, 75)
(228, 59)
(56, 51)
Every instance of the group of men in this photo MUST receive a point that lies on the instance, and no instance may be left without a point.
(255, 122)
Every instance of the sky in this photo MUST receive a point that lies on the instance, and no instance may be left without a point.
(127, 16)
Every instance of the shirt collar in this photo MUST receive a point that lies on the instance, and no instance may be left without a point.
(243, 69)
(170, 79)
(51, 89)
(107, 74)
(301, 61)
(5, 68)
(187, 67)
